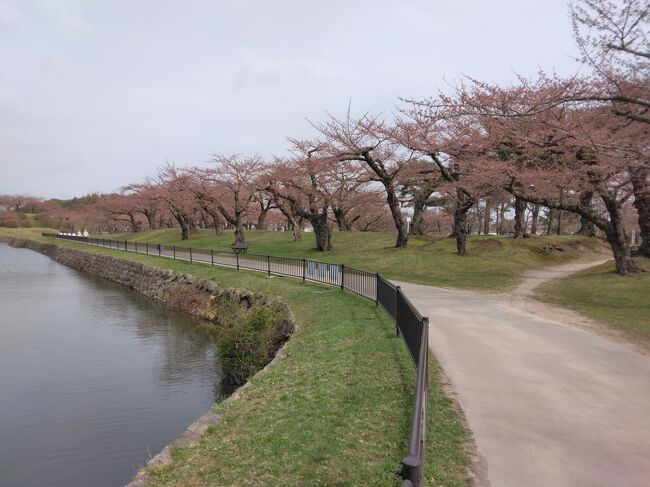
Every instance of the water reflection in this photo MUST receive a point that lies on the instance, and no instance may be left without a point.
(93, 376)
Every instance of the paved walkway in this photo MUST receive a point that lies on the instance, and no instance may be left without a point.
(549, 404)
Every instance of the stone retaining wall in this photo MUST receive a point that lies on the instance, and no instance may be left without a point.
(202, 298)
(199, 297)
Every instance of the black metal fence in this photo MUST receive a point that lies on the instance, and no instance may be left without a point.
(408, 322)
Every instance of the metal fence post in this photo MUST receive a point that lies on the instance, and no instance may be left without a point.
(125, 247)
(237, 258)
(304, 269)
(159, 249)
(146, 247)
(211, 257)
(190, 255)
(174, 250)
(411, 469)
(268, 264)
(377, 289)
(136, 247)
(342, 276)
(398, 291)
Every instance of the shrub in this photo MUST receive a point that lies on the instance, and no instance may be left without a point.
(248, 340)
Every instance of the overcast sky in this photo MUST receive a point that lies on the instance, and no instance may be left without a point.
(96, 94)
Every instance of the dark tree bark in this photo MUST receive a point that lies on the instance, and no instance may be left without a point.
(150, 215)
(534, 221)
(417, 223)
(184, 224)
(343, 222)
(322, 231)
(261, 220)
(520, 218)
(549, 223)
(265, 206)
(486, 217)
(217, 223)
(464, 201)
(391, 197)
(613, 227)
(639, 179)
(501, 228)
(587, 228)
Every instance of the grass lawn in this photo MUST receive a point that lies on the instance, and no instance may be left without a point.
(335, 410)
(24, 232)
(492, 263)
(621, 302)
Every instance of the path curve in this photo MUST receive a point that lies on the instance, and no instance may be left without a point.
(549, 404)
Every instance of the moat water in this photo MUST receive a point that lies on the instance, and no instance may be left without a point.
(94, 378)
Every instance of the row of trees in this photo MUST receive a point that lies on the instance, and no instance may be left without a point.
(551, 146)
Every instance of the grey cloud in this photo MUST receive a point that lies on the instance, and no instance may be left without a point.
(106, 91)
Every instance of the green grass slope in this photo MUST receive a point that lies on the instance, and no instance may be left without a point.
(491, 263)
(27, 232)
(335, 410)
(620, 302)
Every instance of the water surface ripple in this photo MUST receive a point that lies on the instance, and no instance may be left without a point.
(93, 377)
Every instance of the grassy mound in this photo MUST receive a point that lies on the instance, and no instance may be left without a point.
(620, 302)
(491, 263)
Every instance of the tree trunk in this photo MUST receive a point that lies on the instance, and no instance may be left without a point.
(617, 238)
(134, 223)
(185, 229)
(261, 219)
(486, 217)
(549, 224)
(460, 218)
(463, 204)
(396, 212)
(559, 222)
(639, 178)
(216, 221)
(151, 219)
(239, 233)
(587, 227)
(479, 227)
(321, 232)
(534, 220)
(520, 222)
(340, 215)
(502, 219)
(417, 223)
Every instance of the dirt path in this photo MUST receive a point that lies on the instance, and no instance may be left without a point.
(523, 298)
(535, 277)
(550, 404)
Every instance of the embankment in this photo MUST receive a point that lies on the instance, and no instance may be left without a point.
(249, 328)
(234, 317)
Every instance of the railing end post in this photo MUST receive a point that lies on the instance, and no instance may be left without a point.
(411, 469)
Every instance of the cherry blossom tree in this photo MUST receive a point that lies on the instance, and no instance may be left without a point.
(303, 185)
(171, 189)
(230, 186)
(365, 140)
